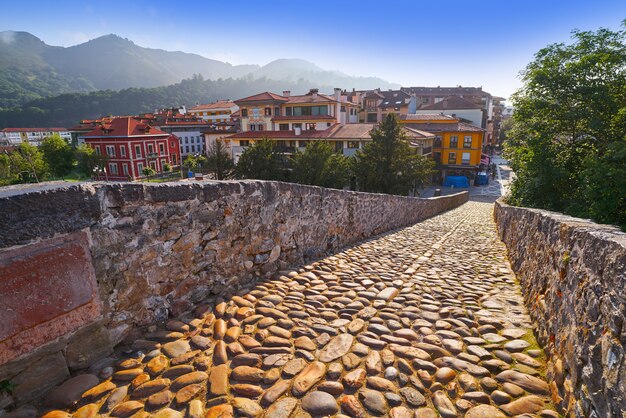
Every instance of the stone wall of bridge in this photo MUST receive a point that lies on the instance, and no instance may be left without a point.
(82, 267)
(573, 277)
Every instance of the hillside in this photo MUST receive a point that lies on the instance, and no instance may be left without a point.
(31, 69)
(67, 109)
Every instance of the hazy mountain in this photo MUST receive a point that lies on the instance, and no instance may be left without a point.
(296, 69)
(30, 69)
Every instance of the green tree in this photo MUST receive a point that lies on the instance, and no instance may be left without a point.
(148, 171)
(58, 154)
(319, 165)
(388, 164)
(27, 164)
(219, 161)
(569, 131)
(261, 161)
(89, 162)
(167, 167)
(195, 162)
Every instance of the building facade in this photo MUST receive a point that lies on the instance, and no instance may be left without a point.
(218, 112)
(375, 105)
(131, 145)
(32, 136)
(457, 147)
(312, 111)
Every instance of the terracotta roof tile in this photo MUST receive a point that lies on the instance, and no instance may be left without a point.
(265, 96)
(124, 127)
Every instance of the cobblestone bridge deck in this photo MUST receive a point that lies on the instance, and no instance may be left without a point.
(423, 322)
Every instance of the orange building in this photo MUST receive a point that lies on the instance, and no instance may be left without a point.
(457, 148)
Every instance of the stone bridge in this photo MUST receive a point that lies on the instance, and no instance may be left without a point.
(270, 299)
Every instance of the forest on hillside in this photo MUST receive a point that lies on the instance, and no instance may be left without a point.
(66, 110)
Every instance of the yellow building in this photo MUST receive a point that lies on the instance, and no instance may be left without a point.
(458, 146)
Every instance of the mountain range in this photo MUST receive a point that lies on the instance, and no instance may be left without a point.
(31, 69)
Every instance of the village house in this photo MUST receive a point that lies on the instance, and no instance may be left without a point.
(457, 148)
(130, 145)
(217, 112)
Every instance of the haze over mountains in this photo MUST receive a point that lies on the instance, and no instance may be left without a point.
(31, 69)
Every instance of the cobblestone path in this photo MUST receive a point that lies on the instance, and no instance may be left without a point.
(424, 322)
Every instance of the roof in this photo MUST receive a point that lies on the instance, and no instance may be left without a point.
(452, 102)
(310, 98)
(428, 117)
(124, 127)
(444, 127)
(35, 130)
(394, 98)
(335, 131)
(220, 104)
(350, 130)
(263, 97)
(417, 133)
(445, 91)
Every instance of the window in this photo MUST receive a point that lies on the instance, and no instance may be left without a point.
(140, 168)
(288, 111)
(465, 158)
(187, 148)
(113, 168)
(437, 157)
(261, 127)
(125, 169)
(310, 126)
(97, 149)
(244, 143)
(467, 141)
(193, 148)
(268, 111)
(342, 109)
(123, 151)
(338, 145)
(276, 111)
(452, 158)
(111, 150)
(283, 127)
(438, 99)
(161, 148)
(150, 149)
(138, 151)
(437, 142)
(454, 141)
(353, 144)
(253, 127)
(244, 113)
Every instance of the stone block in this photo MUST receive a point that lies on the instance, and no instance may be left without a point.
(40, 376)
(48, 289)
(88, 346)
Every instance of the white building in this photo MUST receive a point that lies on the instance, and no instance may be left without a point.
(33, 136)
(217, 112)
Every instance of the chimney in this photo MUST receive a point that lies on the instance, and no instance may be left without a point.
(297, 130)
(313, 92)
(286, 93)
(337, 94)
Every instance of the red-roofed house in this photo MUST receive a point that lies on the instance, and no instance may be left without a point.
(312, 111)
(132, 145)
(218, 112)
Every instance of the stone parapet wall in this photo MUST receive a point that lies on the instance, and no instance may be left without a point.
(142, 252)
(573, 277)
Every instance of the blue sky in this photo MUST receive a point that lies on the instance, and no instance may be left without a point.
(471, 43)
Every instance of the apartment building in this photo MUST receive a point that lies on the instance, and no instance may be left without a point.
(32, 136)
(217, 112)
